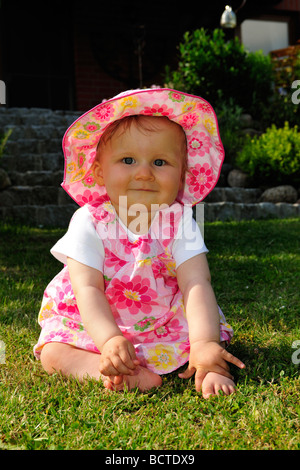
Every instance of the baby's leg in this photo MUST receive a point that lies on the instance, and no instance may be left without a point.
(79, 363)
(213, 383)
(70, 361)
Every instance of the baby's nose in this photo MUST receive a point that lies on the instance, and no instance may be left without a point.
(144, 172)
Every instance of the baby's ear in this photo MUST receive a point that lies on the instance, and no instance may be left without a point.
(98, 173)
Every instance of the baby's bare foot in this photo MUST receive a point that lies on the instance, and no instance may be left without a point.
(213, 383)
(143, 379)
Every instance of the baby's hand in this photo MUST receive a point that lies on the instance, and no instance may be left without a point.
(207, 357)
(118, 357)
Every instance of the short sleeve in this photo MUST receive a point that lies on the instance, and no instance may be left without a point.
(81, 242)
(189, 241)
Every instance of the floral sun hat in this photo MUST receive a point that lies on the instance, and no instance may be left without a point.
(205, 153)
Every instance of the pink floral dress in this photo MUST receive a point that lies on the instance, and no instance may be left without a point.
(141, 288)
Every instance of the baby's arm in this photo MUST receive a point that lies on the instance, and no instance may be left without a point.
(117, 353)
(202, 313)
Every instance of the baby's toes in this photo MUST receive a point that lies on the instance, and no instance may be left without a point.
(214, 383)
(208, 390)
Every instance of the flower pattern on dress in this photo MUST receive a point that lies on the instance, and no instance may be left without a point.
(112, 260)
(144, 324)
(163, 357)
(133, 294)
(88, 197)
(72, 324)
(62, 336)
(66, 299)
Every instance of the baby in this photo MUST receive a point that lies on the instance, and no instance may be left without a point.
(134, 300)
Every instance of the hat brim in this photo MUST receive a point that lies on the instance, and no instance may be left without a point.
(205, 153)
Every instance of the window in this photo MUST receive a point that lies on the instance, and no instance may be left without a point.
(264, 35)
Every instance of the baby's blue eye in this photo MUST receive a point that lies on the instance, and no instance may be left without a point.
(128, 160)
(159, 162)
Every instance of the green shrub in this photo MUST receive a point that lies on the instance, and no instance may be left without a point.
(278, 110)
(229, 119)
(218, 70)
(273, 157)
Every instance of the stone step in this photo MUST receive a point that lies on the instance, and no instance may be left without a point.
(237, 195)
(36, 178)
(39, 132)
(45, 161)
(33, 195)
(36, 116)
(39, 216)
(25, 146)
(226, 211)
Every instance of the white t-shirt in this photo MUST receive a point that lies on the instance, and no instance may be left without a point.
(83, 244)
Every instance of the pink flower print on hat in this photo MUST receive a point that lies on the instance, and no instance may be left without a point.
(176, 97)
(201, 179)
(91, 126)
(193, 113)
(89, 181)
(198, 144)
(158, 110)
(219, 150)
(81, 159)
(104, 112)
(189, 121)
(204, 107)
(80, 134)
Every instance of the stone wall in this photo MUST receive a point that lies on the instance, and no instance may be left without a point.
(33, 162)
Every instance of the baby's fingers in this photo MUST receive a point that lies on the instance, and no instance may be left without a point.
(107, 368)
(232, 359)
(199, 377)
(122, 365)
(189, 371)
(129, 359)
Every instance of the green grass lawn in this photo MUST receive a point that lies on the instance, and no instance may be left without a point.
(255, 272)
